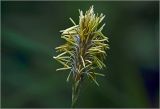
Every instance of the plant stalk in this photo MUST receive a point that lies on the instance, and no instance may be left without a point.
(75, 92)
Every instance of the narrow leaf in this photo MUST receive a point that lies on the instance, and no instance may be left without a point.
(69, 76)
(65, 68)
(72, 21)
(93, 79)
(83, 61)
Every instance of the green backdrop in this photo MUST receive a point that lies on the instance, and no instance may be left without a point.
(30, 32)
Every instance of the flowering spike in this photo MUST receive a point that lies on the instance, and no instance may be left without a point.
(84, 49)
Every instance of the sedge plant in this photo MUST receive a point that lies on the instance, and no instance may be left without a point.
(84, 50)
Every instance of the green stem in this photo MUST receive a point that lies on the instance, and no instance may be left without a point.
(75, 92)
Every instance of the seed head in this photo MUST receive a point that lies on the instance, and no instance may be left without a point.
(85, 47)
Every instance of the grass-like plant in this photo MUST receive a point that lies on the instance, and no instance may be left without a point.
(84, 50)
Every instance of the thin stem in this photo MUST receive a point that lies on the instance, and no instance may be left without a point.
(75, 92)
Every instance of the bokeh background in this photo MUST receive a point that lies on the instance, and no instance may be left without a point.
(30, 32)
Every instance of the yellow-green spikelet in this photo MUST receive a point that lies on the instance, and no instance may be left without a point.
(85, 46)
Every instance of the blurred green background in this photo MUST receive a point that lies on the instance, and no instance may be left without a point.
(30, 32)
